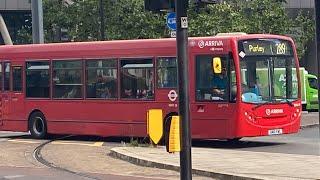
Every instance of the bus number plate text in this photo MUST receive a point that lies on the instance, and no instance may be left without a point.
(274, 131)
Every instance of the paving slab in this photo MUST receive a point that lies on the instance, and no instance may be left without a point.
(232, 164)
(227, 164)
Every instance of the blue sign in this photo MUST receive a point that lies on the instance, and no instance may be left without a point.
(171, 21)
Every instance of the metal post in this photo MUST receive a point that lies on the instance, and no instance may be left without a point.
(37, 21)
(182, 55)
(4, 32)
(317, 15)
(102, 26)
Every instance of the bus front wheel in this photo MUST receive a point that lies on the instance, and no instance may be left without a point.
(37, 125)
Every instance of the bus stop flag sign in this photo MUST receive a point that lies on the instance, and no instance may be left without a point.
(171, 21)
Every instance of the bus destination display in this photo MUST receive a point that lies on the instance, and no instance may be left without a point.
(263, 47)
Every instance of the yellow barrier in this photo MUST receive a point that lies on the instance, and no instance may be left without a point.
(155, 125)
(174, 135)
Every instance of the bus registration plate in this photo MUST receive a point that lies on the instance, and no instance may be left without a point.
(274, 131)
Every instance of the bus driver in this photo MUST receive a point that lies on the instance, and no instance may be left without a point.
(220, 83)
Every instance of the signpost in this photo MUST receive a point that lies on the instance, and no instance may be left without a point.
(182, 56)
(180, 24)
(171, 23)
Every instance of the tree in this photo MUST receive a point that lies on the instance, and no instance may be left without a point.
(128, 20)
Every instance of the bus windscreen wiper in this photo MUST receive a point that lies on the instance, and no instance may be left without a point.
(257, 106)
(289, 102)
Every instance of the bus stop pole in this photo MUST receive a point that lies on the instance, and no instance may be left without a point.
(317, 16)
(37, 21)
(182, 55)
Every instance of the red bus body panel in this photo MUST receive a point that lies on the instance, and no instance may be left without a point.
(119, 117)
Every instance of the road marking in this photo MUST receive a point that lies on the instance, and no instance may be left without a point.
(22, 141)
(13, 176)
(97, 144)
(3, 139)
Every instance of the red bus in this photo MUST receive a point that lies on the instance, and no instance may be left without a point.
(106, 88)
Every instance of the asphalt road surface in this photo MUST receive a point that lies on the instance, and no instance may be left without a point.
(306, 142)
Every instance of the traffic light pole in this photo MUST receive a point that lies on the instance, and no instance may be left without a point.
(182, 55)
(317, 12)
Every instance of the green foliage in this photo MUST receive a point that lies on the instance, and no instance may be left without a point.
(302, 32)
(127, 19)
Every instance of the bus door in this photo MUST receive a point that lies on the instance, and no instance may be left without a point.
(5, 95)
(17, 96)
(212, 109)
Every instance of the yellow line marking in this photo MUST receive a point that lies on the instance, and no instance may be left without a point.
(80, 144)
(21, 141)
(98, 144)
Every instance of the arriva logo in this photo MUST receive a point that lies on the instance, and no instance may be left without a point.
(273, 111)
(203, 44)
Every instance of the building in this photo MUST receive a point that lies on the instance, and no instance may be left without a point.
(294, 6)
(17, 16)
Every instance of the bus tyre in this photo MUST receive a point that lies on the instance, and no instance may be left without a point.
(37, 125)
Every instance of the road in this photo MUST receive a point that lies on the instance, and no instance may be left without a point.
(71, 158)
(83, 157)
(306, 142)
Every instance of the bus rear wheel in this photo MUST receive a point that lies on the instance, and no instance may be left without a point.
(37, 125)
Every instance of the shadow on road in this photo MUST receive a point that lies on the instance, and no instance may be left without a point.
(220, 144)
(232, 145)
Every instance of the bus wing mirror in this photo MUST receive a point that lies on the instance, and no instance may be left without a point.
(216, 65)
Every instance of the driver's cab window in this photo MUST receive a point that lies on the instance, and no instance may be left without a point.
(212, 84)
(313, 83)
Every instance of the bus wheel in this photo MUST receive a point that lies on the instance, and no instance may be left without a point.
(37, 125)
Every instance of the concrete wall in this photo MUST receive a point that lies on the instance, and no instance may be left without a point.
(15, 5)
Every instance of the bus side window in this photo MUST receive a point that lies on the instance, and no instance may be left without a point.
(17, 78)
(137, 80)
(211, 86)
(6, 77)
(167, 72)
(67, 79)
(102, 78)
(37, 79)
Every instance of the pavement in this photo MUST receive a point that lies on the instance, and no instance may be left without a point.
(231, 164)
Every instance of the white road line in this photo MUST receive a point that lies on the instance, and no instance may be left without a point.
(13, 176)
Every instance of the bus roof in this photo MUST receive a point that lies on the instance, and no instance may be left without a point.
(14, 50)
